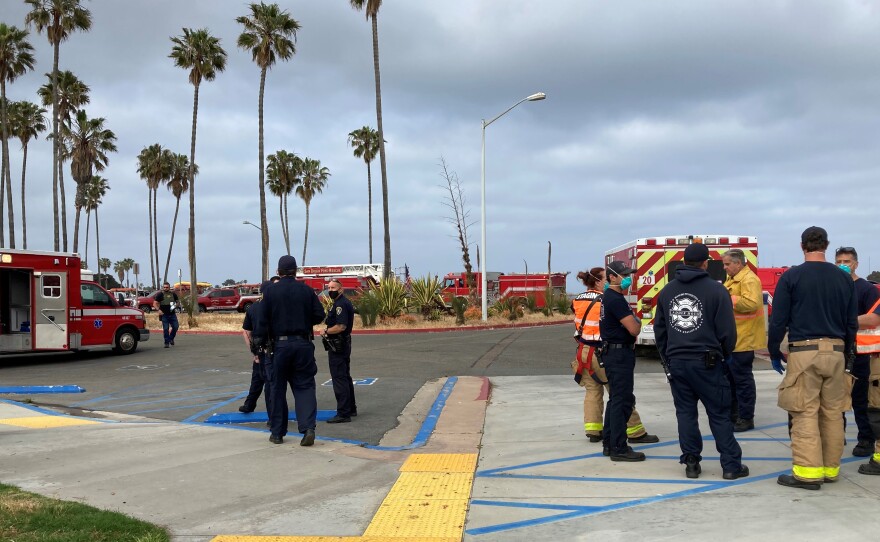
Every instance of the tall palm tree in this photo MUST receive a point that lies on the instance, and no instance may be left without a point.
(269, 34)
(365, 142)
(27, 121)
(313, 180)
(60, 19)
(371, 9)
(283, 174)
(201, 54)
(95, 191)
(88, 143)
(154, 166)
(178, 184)
(72, 94)
(16, 59)
(119, 269)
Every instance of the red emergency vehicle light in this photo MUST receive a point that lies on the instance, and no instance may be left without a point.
(723, 240)
(743, 240)
(651, 242)
(670, 240)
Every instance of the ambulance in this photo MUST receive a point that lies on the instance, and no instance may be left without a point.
(49, 304)
(655, 260)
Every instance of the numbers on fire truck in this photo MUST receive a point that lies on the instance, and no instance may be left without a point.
(646, 280)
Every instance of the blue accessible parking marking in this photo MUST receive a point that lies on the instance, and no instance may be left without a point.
(356, 381)
(40, 389)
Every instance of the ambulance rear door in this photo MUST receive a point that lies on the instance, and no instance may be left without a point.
(50, 310)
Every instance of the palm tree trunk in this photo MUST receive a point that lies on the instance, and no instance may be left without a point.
(6, 185)
(150, 221)
(76, 225)
(306, 240)
(387, 271)
(86, 252)
(23, 210)
(193, 288)
(171, 241)
(370, 209)
(98, 243)
(56, 159)
(264, 224)
(156, 236)
(287, 223)
(281, 215)
(63, 204)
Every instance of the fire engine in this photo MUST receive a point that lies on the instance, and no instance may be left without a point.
(501, 286)
(655, 260)
(47, 303)
(350, 276)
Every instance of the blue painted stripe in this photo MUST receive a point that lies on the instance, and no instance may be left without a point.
(257, 417)
(157, 401)
(41, 389)
(198, 415)
(592, 479)
(181, 407)
(155, 394)
(158, 382)
(537, 506)
(718, 458)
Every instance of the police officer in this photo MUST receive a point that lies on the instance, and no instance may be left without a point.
(337, 340)
(869, 331)
(255, 337)
(816, 304)
(618, 329)
(695, 332)
(291, 310)
(847, 259)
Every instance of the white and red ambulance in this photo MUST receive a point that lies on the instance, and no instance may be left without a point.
(47, 303)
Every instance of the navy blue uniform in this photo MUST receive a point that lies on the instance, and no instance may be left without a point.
(694, 319)
(866, 295)
(620, 364)
(342, 312)
(290, 309)
(261, 376)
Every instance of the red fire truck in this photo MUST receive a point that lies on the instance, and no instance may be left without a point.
(47, 303)
(500, 286)
(351, 276)
(655, 260)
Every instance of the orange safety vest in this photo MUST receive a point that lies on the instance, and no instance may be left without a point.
(868, 340)
(587, 324)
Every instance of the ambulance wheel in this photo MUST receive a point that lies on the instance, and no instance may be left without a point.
(126, 341)
(202, 309)
(245, 307)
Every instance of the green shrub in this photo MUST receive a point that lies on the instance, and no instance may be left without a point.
(508, 307)
(367, 307)
(425, 295)
(391, 297)
(531, 303)
(459, 306)
(562, 303)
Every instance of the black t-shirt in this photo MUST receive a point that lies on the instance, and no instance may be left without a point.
(615, 308)
(165, 303)
(866, 295)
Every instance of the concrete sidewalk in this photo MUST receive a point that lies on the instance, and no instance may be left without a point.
(537, 476)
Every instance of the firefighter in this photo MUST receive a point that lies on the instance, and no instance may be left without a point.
(816, 304)
(290, 310)
(618, 329)
(588, 372)
(695, 331)
(337, 342)
(866, 296)
(868, 340)
(747, 298)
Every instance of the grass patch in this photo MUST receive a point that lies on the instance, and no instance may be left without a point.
(28, 517)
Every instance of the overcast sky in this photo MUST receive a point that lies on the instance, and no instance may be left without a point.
(752, 117)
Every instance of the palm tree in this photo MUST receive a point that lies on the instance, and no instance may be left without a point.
(129, 265)
(89, 142)
(27, 121)
(178, 183)
(283, 174)
(201, 54)
(371, 9)
(16, 59)
(313, 180)
(95, 190)
(104, 265)
(365, 142)
(60, 19)
(72, 94)
(154, 166)
(119, 269)
(269, 34)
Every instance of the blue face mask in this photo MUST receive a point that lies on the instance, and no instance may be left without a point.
(626, 283)
(606, 287)
(845, 268)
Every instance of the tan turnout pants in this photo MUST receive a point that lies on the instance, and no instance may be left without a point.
(874, 403)
(815, 392)
(594, 400)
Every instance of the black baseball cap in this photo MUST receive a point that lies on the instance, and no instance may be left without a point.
(287, 263)
(620, 269)
(696, 252)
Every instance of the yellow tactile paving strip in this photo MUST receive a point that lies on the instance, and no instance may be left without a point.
(45, 422)
(428, 503)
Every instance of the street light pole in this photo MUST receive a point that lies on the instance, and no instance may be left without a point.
(252, 224)
(483, 267)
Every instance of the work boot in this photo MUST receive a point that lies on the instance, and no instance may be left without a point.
(308, 438)
(865, 448)
(245, 409)
(692, 467)
(595, 438)
(644, 439)
(276, 439)
(790, 481)
(734, 475)
(339, 419)
(629, 456)
(871, 467)
(743, 425)
(606, 451)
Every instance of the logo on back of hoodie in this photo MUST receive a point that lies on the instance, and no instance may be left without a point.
(686, 313)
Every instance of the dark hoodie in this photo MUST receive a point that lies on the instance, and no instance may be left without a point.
(694, 315)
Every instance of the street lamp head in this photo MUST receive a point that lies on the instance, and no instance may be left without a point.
(536, 96)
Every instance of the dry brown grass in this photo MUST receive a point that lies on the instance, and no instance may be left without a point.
(232, 322)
